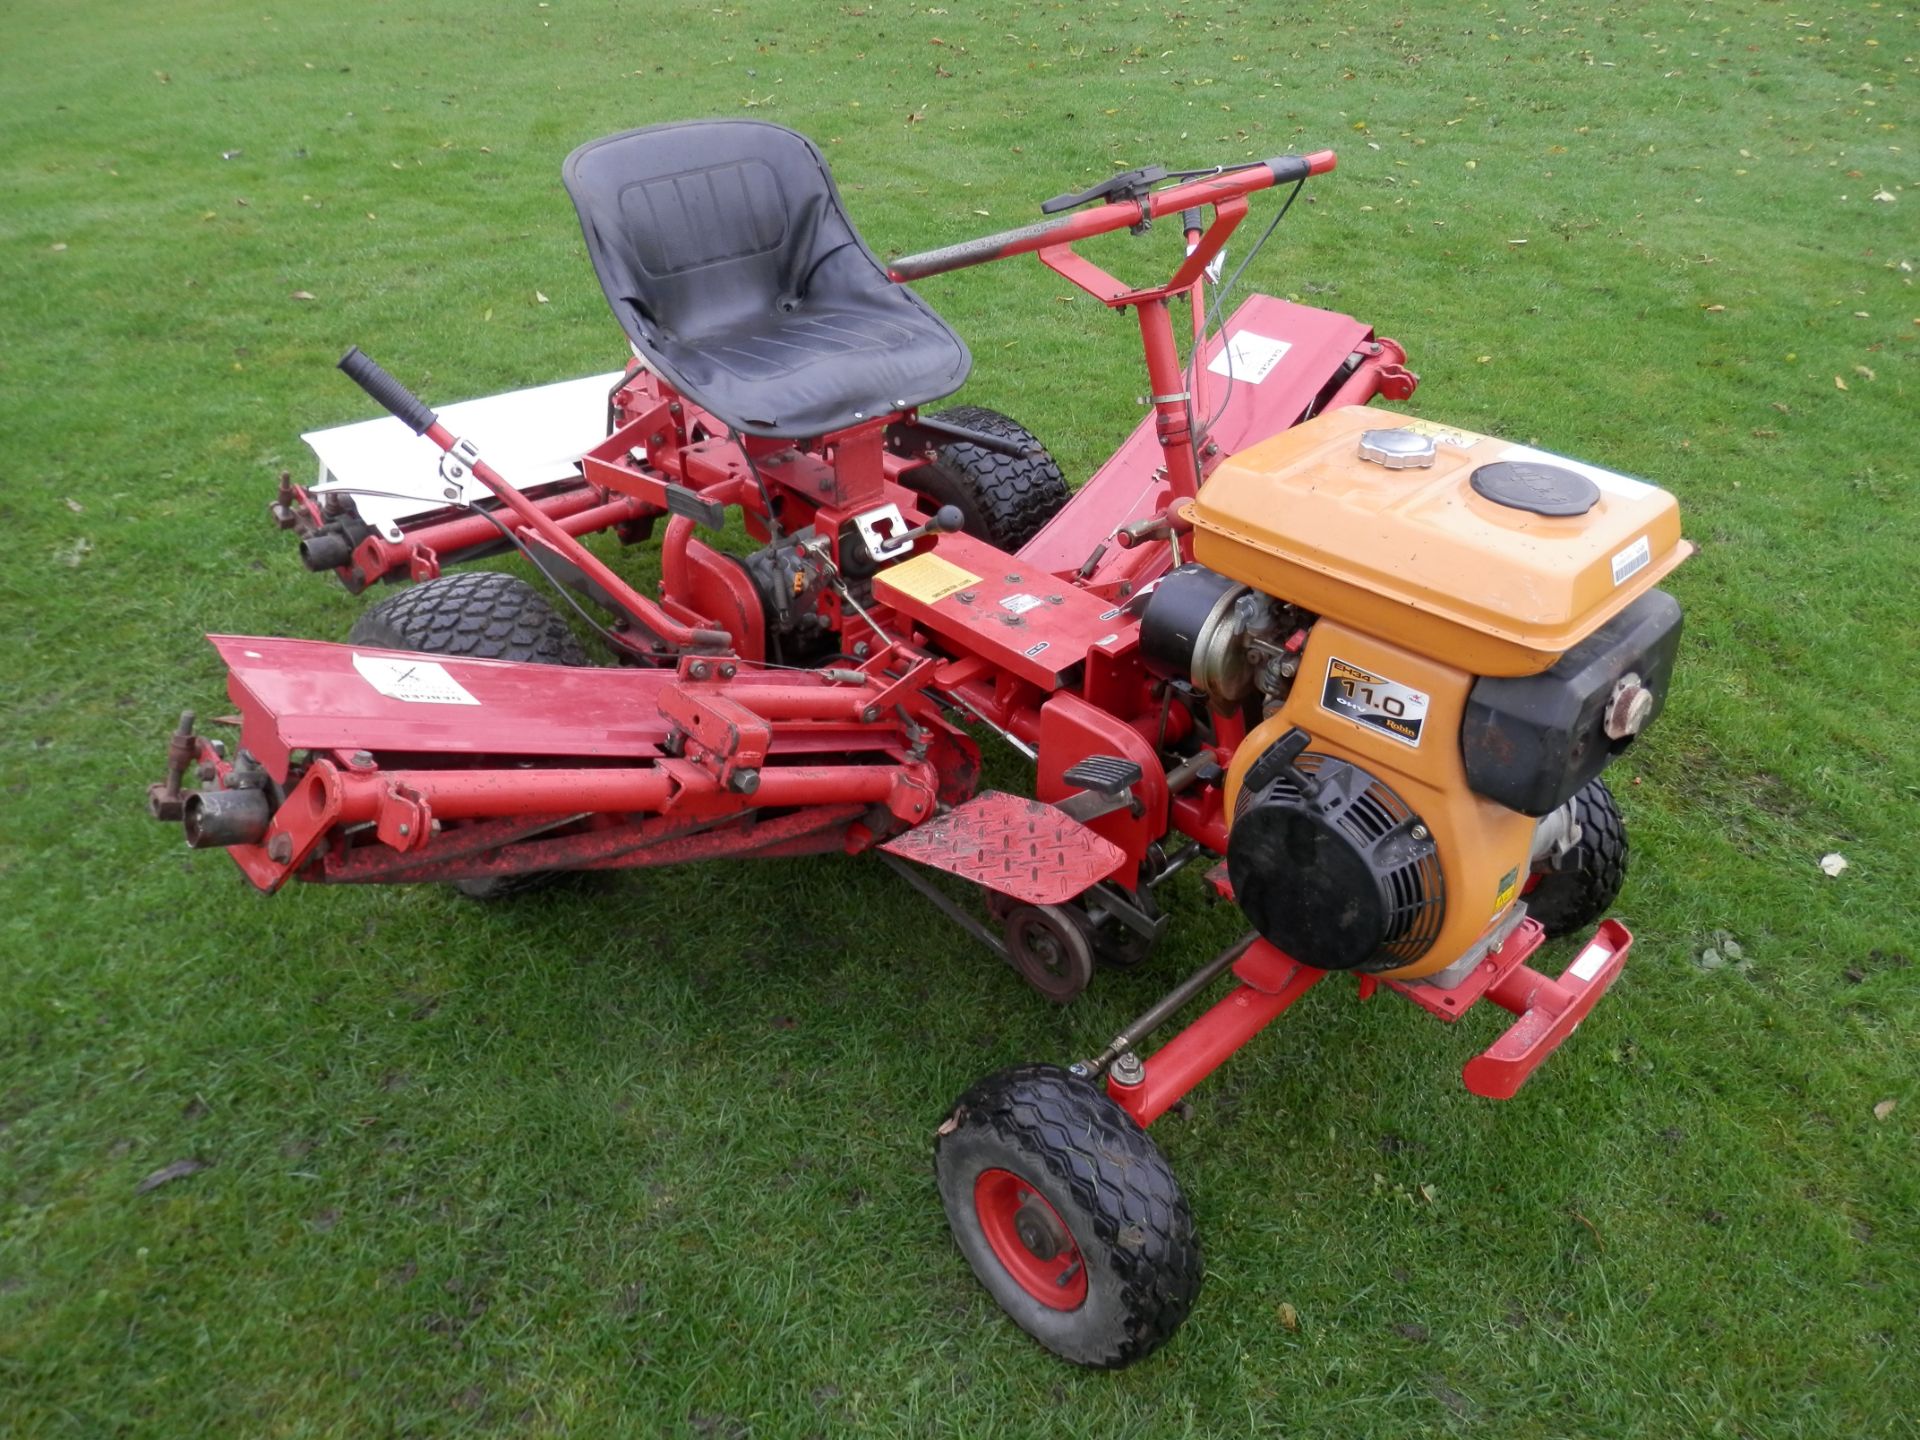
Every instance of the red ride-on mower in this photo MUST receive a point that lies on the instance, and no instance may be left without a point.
(1365, 669)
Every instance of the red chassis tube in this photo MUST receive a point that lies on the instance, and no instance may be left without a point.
(1548, 1010)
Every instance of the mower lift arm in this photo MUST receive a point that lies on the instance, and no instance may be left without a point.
(414, 412)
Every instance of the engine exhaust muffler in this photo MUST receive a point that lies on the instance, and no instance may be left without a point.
(215, 819)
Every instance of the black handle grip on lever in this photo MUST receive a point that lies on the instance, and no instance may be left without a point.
(1127, 185)
(399, 401)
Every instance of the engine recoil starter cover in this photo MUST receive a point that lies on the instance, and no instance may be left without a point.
(1332, 866)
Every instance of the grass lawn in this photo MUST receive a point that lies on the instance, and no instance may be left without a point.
(651, 1155)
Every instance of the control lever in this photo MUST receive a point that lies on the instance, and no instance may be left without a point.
(1127, 185)
(943, 521)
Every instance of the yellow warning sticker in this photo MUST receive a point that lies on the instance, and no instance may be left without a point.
(1445, 434)
(927, 578)
(1509, 890)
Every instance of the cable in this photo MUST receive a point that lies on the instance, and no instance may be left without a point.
(1213, 321)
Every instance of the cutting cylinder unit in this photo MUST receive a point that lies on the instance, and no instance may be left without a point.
(1441, 638)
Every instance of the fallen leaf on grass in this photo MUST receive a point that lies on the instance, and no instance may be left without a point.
(75, 553)
(1884, 1109)
(166, 1174)
(303, 295)
(1838, 383)
(1864, 372)
(57, 246)
(539, 297)
(1713, 309)
(1289, 1317)
(1833, 864)
(74, 505)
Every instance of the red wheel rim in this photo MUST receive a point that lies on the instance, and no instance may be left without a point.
(1030, 1240)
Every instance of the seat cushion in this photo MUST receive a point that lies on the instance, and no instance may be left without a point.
(729, 261)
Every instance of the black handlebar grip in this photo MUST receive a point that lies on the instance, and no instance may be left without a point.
(399, 401)
(1193, 218)
(1289, 168)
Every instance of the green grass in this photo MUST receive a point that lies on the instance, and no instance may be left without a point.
(651, 1155)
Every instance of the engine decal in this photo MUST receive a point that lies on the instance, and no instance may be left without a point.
(1508, 893)
(1631, 561)
(1373, 700)
(423, 682)
(927, 578)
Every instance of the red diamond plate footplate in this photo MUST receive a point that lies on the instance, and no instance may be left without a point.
(1014, 845)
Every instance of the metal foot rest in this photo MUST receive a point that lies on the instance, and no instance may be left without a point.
(1019, 847)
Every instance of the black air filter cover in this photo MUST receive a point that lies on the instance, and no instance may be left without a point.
(1333, 867)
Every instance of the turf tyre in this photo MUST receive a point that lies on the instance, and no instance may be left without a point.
(1101, 1177)
(1005, 499)
(477, 615)
(1582, 885)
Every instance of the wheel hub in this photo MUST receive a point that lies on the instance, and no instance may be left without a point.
(1039, 1228)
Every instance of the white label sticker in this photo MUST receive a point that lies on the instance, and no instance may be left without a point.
(1020, 604)
(1590, 962)
(1631, 561)
(423, 682)
(1249, 357)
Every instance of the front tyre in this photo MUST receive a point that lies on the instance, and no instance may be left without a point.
(1579, 888)
(1069, 1215)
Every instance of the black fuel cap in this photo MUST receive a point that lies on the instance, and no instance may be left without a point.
(1537, 488)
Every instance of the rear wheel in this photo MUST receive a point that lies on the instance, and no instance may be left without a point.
(1578, 889)
(479, 615)
(1005, 499)
(1069, 1215)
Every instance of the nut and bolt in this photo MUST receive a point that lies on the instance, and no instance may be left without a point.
(870, 714)
(744, 782)
(1419, 832)
(861, 649)
(727, 672)
(280, 848)
(1129, 1069)
(699, 670)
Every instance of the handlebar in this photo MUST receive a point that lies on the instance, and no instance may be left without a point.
(402, 403)
(1116, 215)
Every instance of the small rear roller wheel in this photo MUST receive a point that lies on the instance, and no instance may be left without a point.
(1049, 948)
(1069, 1215)
(1578, 889)
(481, 615)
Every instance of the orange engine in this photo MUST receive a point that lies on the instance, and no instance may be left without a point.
(1447, 637)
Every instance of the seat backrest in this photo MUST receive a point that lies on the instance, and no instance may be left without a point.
(701, 226)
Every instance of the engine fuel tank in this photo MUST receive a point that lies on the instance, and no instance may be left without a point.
(1494, 558)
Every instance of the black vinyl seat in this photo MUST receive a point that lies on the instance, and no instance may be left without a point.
(730, 262)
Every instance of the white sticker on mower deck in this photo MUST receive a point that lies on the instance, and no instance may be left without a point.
(1631, 561)
(1249, 357)
(1375, 701)
(421, 682)
(1020, 604)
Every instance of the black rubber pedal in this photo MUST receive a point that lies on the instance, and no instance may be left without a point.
(1103, 774)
